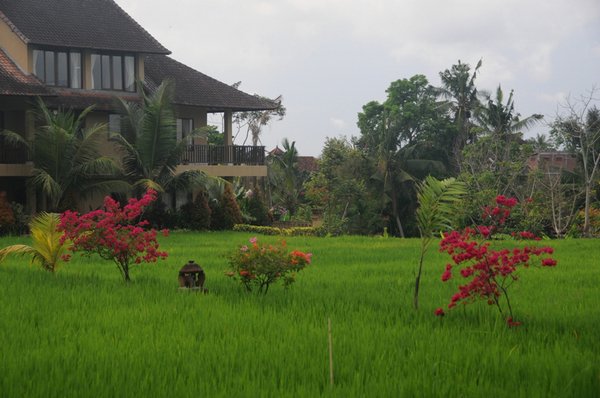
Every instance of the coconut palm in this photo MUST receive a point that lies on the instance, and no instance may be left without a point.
(46, 249)
(149, 144)
(459, 90)
(437, 204)
(67, 162)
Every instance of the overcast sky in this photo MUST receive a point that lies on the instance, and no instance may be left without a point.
(328, 58)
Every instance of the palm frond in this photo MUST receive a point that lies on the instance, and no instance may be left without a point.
(46, 249)
(437, 204)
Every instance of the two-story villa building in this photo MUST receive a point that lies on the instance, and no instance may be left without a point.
(77, 53)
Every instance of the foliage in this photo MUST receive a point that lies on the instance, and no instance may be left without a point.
(47, 249)
(292, 231)
(461, 95)
(225, 213)
(260, 265)
(578, 130)
(490, 271)
(438, 201)
(254, 205)
(149, 144)
(196, 215)
(577, 228)
(67, 161)
(284, 177)
(7, 216)
(114, 233)
(255, 121)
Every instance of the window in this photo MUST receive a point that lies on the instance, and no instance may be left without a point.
(184, 128)
(114, 124)
(113, 72)
(58, 68)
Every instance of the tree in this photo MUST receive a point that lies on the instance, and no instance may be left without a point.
(254, 121)
(149, 144)
(578, 130)
(47, 248)
(284, 176)
(458, 88)
(67, 162)
(503, 123)
(403, 135)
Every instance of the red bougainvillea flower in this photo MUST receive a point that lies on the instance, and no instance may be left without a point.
(439, 312)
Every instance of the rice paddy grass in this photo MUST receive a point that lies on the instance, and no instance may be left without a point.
(84, 332)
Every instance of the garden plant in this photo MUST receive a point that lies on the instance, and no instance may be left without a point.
(114, 233)
(260, 265)
(490, 272)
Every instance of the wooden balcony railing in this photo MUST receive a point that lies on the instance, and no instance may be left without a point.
(226, 154)
(12, 155)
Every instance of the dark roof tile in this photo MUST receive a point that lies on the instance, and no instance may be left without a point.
(13, 81)
(94, 24)
(197, 89)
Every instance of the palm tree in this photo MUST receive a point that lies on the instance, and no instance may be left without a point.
(458, 88)
(67, 162)
(47, 249)
(284, 175)
(149, 144)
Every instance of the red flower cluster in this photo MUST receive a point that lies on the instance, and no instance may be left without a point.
(113, 233)
(489, 272)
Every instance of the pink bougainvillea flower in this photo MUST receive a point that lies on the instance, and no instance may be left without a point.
(253, 240)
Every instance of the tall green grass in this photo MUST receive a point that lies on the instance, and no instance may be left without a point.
(84, 332)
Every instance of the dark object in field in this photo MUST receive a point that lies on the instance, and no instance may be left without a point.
(191, 276)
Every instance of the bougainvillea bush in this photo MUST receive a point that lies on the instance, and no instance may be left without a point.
(114, 233)
(259, 265)
(489, 272)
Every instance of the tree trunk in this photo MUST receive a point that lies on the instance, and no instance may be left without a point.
(396, 215)
(588, 197)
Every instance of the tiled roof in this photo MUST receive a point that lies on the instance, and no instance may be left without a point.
(13, 81)
(81, 99)
(197, 89)
(95, 24)
(308, 164)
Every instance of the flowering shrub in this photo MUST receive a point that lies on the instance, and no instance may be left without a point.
(489, 272)
(260, 265)
(114, 233)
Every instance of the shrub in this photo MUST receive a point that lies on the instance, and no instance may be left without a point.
(47, 247)
(260, 265)
(294, 231)
(7, 217)
(114, 233)
(196, 215)
(226, 212)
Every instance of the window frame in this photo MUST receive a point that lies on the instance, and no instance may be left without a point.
(45, 53)
(106, 78)
(179, 123)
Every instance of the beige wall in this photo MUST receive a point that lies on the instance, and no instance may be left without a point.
(195, 113)
(14, 46)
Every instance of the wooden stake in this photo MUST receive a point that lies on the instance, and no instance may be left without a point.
(330, 351)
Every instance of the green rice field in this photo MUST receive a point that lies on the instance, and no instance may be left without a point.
(83, 332)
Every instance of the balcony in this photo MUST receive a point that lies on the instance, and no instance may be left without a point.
(12, 155)
(225, 160)
(229, 154)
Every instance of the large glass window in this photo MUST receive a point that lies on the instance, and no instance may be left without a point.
(113, 72)
(75, 69)
(58, 68)
(184, 128)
